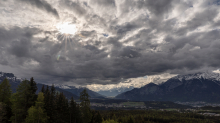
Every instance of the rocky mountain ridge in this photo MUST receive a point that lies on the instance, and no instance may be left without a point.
(77, 91)
(192, 87)
(14, 82)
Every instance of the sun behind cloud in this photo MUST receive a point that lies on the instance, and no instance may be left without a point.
(67, 28)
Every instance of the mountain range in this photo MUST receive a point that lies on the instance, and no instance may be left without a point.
(68, 91)
(112, 90)
(76, 91)
(184, 88)
(115, 91)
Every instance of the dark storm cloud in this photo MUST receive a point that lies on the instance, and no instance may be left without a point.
(42, 4)
(125, 28)
(76, 7)
(17, 50)
(173, 56)
(110, 3)
(20, 48)
(89, 62)
(157, 7)
(88, 33)
(131, 49)
(200, 19)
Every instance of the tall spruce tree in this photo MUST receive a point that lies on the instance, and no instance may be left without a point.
(3, 113)
(62, 109)
(85, 106)
(5, 92)
(47, 103)
(37, 114)
(32, 91)
(75, 113)
(52, 104)
(96, 117)
(5, 95)
(42, 89)
(22, 100)
(131, 119)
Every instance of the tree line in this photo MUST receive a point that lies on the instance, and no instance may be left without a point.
(48, 106)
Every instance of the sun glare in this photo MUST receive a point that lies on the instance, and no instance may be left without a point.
(66, 28)
(65, 34)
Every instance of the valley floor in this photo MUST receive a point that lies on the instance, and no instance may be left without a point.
(155, 116)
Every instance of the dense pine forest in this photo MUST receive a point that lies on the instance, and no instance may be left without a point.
(51, 106)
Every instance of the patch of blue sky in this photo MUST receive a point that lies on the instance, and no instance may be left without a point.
(145, 77)
(106, 35)
(215, 2)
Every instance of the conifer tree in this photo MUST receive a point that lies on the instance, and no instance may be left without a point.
(47, 90)
(62, 109)
(5, 92)
(52, 104)
(47, 102)
(75, 113)
(42, 89)
(5, 95)
(32, 91)
(131, 119)
(85, 106)
(3, 113)
(37, 114)
(22, 100)
(96, 117)
(16, 108)
(72, 108)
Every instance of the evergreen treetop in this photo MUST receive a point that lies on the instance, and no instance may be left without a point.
(5, 92)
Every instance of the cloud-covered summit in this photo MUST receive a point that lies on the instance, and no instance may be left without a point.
(115, 39)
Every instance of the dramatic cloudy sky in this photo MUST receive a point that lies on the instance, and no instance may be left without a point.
(110, 41)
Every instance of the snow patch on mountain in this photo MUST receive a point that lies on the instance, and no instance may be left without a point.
(10, 77)
(61, 86)
(131, 83)
(204, 75)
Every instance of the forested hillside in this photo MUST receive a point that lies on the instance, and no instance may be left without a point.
(49, 106)
(14, 82)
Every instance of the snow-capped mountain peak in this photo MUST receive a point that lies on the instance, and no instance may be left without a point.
(204, 75)
(62, 86)
(10, 76)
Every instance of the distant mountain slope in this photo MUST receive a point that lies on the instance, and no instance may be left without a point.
(115, 91)
(77, 91)
(192, 87)
(66, 93)
(14, 81)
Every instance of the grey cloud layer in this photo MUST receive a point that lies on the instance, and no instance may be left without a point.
(151, 43)
(42, 4)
